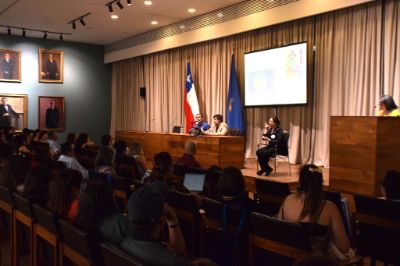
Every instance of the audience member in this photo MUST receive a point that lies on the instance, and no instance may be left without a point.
(83, 141)
(321, 218)
(106, 141)
(149, 214)
(104, 161)
(64, 194)
(390, 185)
(67, 157)
(53, 144)
(98, 213)
(136, 151)
(22, 144)
(71, 139)
(231, 186)
(187, 159)
(36, 185)
(13, 173)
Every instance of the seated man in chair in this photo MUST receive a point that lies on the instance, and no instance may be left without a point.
(275, 142)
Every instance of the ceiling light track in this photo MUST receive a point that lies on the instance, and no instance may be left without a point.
(11, 30)
(109, 5)
(81, 19)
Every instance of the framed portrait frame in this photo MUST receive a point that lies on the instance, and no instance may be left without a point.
(10, 65)
(17, 103)
(51, 113)
(51, 66)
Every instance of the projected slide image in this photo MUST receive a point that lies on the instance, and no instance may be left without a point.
(276, 76)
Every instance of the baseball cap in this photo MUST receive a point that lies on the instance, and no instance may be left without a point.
(147, 203)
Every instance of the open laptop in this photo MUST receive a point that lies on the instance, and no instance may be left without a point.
(194, 182)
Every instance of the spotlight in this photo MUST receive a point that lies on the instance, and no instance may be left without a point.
(120, 5)
(129, 2)
(9, 31)
(61, 37)
(110, 8)
(45, 35)
(74, 25)
(82, 22)
(23, 33)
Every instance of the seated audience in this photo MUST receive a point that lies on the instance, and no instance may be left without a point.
(13, 173)
(64, 194)
(218, 128)
(36, 185)
(43, 136)
(187, 159)
(321, 218)
(136, 151)
(6, 152)
(231, 187)
(53, 144)
(67, 157)
(149, 213)
(104, 161)
(71, 139)
(390, 185)
(22, 144)
(162, 171)
(121, 149)
(82, 142)
(98, 214)
(106, 141)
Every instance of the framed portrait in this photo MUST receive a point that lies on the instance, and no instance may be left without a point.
(51, 66)
(51, 113)
(14, 111)
(10, 65)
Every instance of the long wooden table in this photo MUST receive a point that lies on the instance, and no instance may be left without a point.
(211, 150)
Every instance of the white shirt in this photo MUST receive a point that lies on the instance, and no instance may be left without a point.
(71, 162)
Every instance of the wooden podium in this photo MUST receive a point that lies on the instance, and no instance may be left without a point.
(211, 150)
(362, 150)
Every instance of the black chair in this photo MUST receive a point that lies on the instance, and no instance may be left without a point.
(24, 215)
(285, 153)
(219, 235)
(269, 196)
(47, 229)
(79, 246)
(7, 206)
(113, 256)
(336, 198)
(378, 228)
(279, 241)
(186, 209)
(233, 132)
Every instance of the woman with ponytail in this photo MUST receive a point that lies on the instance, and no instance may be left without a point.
(320, 218)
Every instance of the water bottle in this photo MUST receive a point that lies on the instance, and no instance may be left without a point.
(181, 130)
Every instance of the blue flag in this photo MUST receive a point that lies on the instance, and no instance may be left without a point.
(234, 110)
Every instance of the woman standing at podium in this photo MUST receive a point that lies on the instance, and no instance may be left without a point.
(387, 107)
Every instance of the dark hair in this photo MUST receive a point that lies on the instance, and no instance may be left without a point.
(14, 171)
(310, 183)
(6, 150)
(231, 183)
(35, 133)
(105, 157)
(162, 166)
(36, 185)
(41, 134)
(82, 139)
(71, 138)
(105, 140)
(388, 102)
(120, 147)
(95, 204)
(391, 184)
(60, 197)
(219, 117)
(276, 120)
(65, 148)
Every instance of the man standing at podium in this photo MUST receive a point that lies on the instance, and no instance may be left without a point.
(6, 112)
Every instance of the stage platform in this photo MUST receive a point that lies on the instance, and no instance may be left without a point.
(250, 173)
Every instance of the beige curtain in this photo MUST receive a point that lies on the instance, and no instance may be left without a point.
(344, 78)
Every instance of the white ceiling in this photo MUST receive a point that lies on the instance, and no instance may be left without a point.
(54, 15)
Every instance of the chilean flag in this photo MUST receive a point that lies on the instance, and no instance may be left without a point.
(191, 103)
